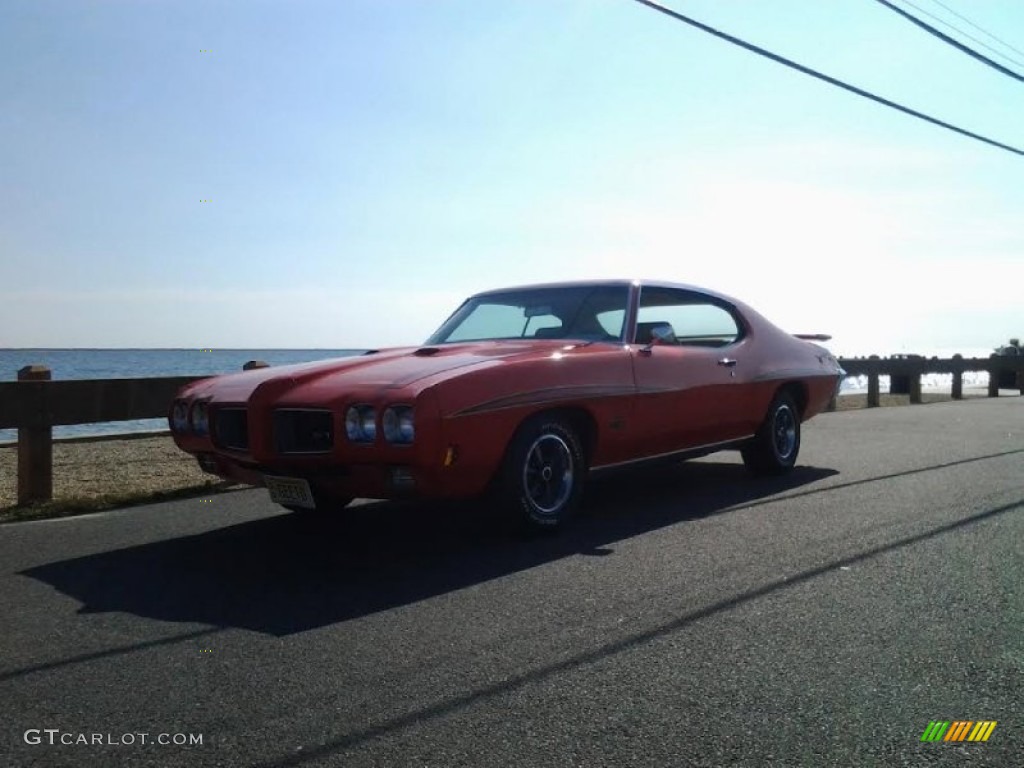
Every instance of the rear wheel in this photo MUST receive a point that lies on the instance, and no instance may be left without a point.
(773, 450)
(541, 480)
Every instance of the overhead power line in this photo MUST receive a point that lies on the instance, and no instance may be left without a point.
(826, 78)
(980, 29)
(947, 39)
(969, 36)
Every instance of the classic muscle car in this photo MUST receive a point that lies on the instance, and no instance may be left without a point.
(522, 392)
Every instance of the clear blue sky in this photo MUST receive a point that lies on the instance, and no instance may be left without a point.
(371, 162)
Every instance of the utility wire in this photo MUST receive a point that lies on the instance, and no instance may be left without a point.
(955, 43)
(826, 78)
(980, 29)
(969, 36)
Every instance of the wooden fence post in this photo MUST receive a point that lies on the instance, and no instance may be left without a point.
(915, 388)
(873, 399)
(253, 364)
(958, 378)
(35, 445)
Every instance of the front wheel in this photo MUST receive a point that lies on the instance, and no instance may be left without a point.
(541, 480)
(773, 450)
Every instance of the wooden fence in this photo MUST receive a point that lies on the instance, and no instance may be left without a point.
(905, 373)
(34, 404)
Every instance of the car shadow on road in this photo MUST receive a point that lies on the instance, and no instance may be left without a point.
(287, 573)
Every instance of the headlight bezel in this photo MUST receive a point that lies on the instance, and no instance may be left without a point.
(199, 417)
(361, 423)
(399, 424)
(179, 416)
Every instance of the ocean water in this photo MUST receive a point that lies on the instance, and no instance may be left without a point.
(142, 363)
(149, 363)
(930, 382)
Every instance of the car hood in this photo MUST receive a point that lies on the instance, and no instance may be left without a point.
(380, 370)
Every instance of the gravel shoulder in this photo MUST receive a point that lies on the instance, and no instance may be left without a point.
(122, 466)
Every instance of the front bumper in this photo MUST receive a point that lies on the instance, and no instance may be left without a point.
(367, 481)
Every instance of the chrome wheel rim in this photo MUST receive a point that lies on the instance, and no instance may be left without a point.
(784, 432)
(548, 474)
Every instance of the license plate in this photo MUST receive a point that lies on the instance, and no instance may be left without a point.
(290, 491)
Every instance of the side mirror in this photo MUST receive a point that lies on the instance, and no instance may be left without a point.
(662, 333)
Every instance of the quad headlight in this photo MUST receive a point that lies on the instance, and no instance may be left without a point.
(398, 424)
(361, 424)
(199, 417)
(179, 416)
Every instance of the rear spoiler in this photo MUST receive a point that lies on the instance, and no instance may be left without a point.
(813, 336)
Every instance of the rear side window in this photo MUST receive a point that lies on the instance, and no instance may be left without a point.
(695, 320)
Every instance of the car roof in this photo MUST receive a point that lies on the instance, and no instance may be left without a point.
(613, 281)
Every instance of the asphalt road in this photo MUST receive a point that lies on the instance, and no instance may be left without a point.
(692, 616)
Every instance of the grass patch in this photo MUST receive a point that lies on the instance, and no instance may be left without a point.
(82, 505)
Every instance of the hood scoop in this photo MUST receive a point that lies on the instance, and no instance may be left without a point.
(426, 351)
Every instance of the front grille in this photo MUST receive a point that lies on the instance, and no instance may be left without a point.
(231, 429)
(303, 430)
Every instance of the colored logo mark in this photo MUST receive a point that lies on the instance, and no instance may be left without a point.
(958, 730)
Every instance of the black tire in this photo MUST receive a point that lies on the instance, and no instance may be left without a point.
(541, 479)
(775, 447)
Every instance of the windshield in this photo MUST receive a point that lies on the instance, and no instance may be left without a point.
(586, 313)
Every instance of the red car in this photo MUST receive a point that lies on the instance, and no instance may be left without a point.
(523, 392)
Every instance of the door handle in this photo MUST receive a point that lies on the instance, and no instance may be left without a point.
(727, 362)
